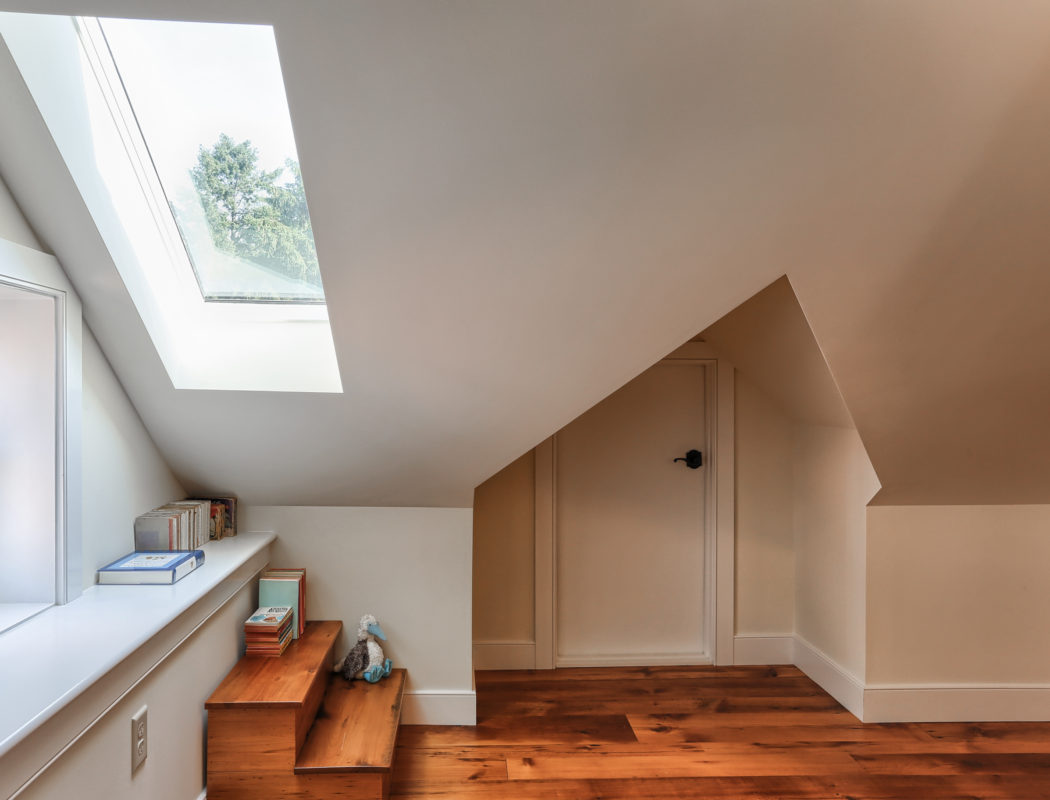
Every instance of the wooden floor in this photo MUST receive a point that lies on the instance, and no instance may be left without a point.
(705, 732)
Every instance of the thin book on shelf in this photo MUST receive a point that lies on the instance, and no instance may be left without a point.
(286, 587)
(151, 567)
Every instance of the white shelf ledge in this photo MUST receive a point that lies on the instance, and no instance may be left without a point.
(53, 658)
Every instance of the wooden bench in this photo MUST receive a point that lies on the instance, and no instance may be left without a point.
(290, 727)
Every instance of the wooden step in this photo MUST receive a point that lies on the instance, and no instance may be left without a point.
(279, 681)
(356, 728)
(259, 716)
(290, 727)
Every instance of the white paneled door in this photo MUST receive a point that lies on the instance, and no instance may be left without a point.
(630, 524)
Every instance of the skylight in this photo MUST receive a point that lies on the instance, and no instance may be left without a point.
(178, 138)
(209, 102)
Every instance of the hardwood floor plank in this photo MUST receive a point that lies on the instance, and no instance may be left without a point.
(955, 764)
(488, 677)
(680, 765)
(428, 770)
(987, 731)
(655, 702)
(889, 748)
(780, 788)
(693, 728)
(544, 729)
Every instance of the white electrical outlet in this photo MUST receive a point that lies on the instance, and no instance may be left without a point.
(139, 738)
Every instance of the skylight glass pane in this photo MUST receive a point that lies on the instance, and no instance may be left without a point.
(209, 100)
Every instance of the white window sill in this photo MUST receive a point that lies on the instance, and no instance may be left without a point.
(50, 660)
(11, 614)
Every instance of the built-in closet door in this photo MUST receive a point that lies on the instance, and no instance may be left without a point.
(629, 525)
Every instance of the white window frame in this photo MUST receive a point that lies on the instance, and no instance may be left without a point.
(28, 270)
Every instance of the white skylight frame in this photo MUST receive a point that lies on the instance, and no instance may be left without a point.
(203, 345)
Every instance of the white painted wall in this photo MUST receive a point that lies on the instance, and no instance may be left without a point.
(834, 481)
(504, 555)
(958, 595)
(124, 474)
(411, 567)
(98, 766)
(765, 546)
(27, 446)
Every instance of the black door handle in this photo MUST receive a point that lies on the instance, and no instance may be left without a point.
(694, 459)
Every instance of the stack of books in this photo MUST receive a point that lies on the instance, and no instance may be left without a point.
(286, 587)
(268, 631)
(186, 524)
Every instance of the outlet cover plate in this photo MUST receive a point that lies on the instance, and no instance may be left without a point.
(139, 738)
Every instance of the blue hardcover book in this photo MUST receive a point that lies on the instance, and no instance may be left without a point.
(151, 567)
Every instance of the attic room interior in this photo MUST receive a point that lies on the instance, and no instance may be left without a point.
(554, 250)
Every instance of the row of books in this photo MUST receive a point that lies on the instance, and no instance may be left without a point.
(281, 616)
(186, 524)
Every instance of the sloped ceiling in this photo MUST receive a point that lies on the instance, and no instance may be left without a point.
(519, 206)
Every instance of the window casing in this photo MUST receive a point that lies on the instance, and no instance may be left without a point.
(40, 469)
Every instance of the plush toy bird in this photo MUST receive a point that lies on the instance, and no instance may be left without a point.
(365, 659)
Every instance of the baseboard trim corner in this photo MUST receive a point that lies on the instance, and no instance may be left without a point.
(440, 708)
(831, 676)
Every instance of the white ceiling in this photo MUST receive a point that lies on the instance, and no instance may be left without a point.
(518, 206)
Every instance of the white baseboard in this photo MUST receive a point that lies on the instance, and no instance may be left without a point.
(634, 660)
(439, 708)
(831, 676)
(957, 703)
(203, 795)
(504, 655)
(753, 649)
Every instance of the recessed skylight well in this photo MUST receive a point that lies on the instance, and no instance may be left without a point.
(179, 138)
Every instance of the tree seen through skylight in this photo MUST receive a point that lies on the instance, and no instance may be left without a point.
(254, 213)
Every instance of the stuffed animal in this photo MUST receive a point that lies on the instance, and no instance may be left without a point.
(365, 659)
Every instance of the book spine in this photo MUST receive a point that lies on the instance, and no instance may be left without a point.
(184, 569)
(154, 532)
